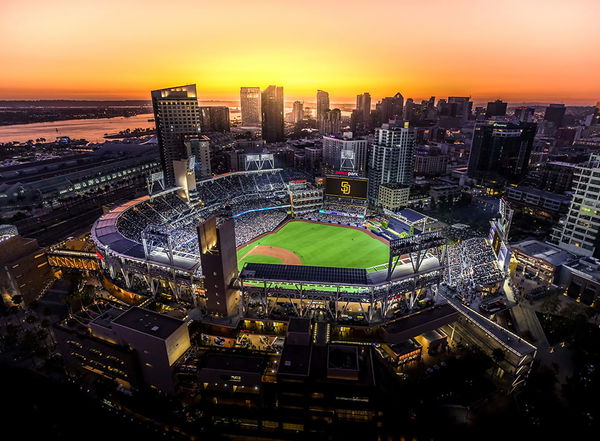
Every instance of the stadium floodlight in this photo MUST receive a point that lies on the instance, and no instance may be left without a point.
(416, 247)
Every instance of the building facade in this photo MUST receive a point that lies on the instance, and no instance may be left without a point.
(333, 146)
(322, 105)
(297, 112)
(331, 124)
(391, 160)
(496, 108)
(430, 165)
(580, 232)
(271, 106)
(500, 152)
(214, 118)
(393, 196)
(177, 115)
(250, 106)
(391, 108)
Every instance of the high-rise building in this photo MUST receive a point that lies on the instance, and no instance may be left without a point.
(391, 158)
(177, 116)
(250, 106)
(391, 108)
(555, 113)
(363, 105)
(361, 116)
(479, 113)
(214, 118)
(271, 106)
(556, 177)
(462, 106)
(335, 158)
(525, 113)
(496, 108)
(580, 233)
(322, 105)
(297, 112)
(332, 122)
(200, 148)
(500, 151)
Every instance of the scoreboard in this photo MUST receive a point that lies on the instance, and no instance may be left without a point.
(346, 187)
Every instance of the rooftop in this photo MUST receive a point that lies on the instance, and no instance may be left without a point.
(544, 251)
(342, 357)
(295, 360)
(298, 324)
(541, 193)
(587, 267)
(148, 322)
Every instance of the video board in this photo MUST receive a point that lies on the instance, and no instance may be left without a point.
(346, 187)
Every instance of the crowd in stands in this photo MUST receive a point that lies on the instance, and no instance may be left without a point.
(343, 205)
(169, 216)
(232, 185)
(251, 225)
(332, 219)
(159, 210)
(472, 263)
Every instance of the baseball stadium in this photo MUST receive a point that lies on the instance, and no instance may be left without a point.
(151, 246)
(265, 246)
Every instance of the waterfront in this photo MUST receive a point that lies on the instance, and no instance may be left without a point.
(91, 129)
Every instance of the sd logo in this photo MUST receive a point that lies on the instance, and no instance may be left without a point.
(345, 186)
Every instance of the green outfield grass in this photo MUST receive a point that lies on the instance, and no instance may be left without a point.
(321, 245)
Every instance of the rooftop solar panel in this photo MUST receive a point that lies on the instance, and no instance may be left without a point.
(299, 273)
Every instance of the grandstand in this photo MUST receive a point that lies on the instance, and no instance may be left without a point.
(149, 247)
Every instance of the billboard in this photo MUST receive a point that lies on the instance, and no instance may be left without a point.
(346, 187)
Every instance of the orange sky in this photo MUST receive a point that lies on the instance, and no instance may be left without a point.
(543, 50)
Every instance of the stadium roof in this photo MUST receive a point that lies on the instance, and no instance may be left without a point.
(411, 215)
(307, 274)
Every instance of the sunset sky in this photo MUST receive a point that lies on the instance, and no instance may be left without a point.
(516, 50)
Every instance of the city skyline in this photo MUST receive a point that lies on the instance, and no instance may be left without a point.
(540, 54)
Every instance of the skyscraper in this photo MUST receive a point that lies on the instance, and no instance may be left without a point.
(177, 117)
(580, 233)
(496, 108)
(361, 116)
(250, 106)
(297, 112)
(271, 106)
(214, 118)
(391, 108)
(525, 113)
(500, 152)
(363, 105)
(332, 122)
(391, 158)
(322, 105)
(462, 106)
(555, 113)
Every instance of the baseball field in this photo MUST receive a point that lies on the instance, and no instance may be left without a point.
(308, 243)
